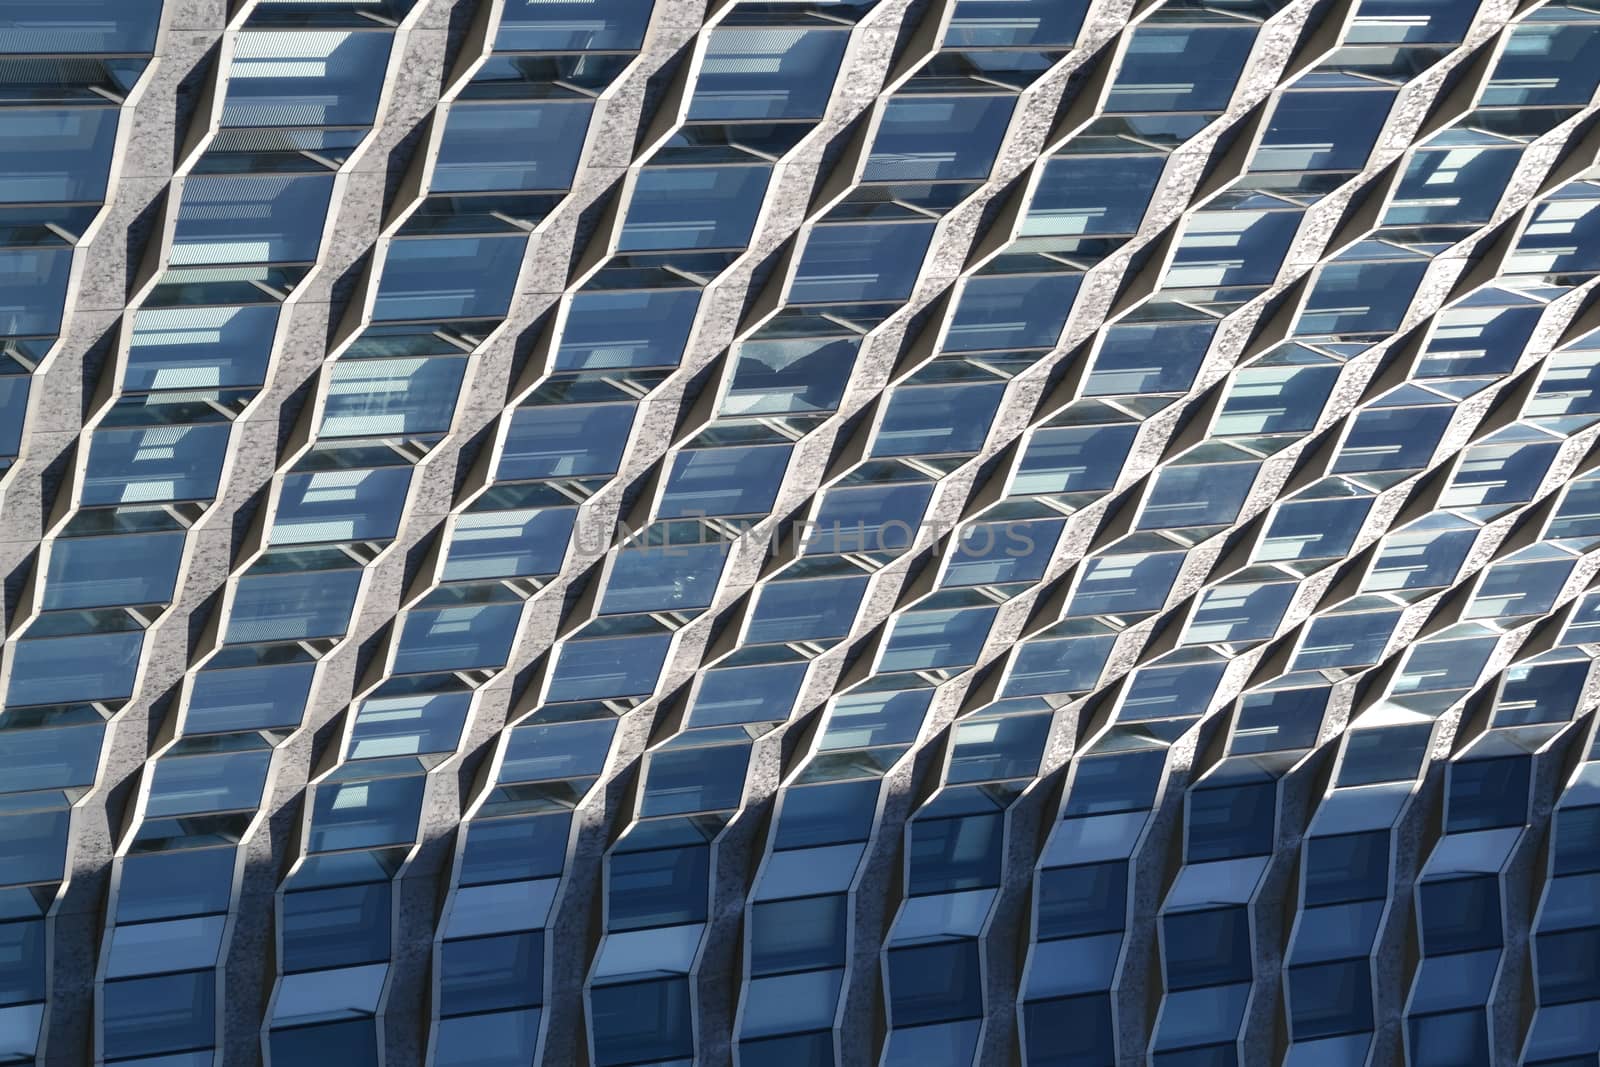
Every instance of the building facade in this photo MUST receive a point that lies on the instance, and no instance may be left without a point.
(788, 533)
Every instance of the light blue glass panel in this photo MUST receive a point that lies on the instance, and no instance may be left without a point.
(100, 571)
(350, 505)
(627, 329)
(89, 667)
(375, 397)
(693, 207)
(54, 154)
(305, 78)
(936, 138)
(56, 26)
(1181, 68)
(247, 219)
(33, 283)
(477, 155)
(156, 464)
(767, 73)
(449, 278)
(860, 261)
(292, 607)
(198, 348)
(565, 440)
(571, 25)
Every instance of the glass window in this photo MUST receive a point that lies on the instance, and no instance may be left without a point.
(260, 698)
(1391, 754)
(931, 420)
(1231, 821)
(805, 611)
(66, 669)
(1486, 793)
(13, 410)
(1206, 948)
(724, 481)
(503, 849)
(159, 947)
(680, 781)
(693, 207)
(783, 1004)
(449, 277)
(162, 885)
(826, 814)
(996, 749)
(167, 1014)
(33, 845)
(378, 397)
(1460, 184)
(1239, 613)
(768, 72)
(860, 261)
(503, 544)
(746, 694)
(1064, 460)
(129, 569)
(1546, 64)
(663, 887)
(776, 376)
(221, 782)
(1091, 195)
(571, 25)
(1329, 129)
(1181, 68)
(247, 219)
(494, 1039)
(55, 154)
(563, 441)
(934, 138)
(920, 640)
(1137, 358)
(935, 983)
(1075, 901)
(476, 155)
(611, 667)
(22, 949)
(792, 935)
(1235, 247)
(1197, 495)
(950, 855)
(96, 26)
(641, 1022)
(491, 973)
(365, 814)
(1011, 311)
(1459, 915)
(1066, 666)
(33, 283)
(1276, 400)
(408, 725)
(1335, 998)
(305, 78)
(200, 347)
(457, 638)
(664, 577)
(351, 1044)
(1114, 585)
(1360, 297)
(1392, 439)
(57, 758)
(292, 606)
(161, 463)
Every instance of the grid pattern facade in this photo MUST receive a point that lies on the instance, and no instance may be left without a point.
(789, 533)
